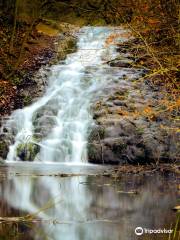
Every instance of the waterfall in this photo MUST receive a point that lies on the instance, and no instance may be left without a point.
(58, 123)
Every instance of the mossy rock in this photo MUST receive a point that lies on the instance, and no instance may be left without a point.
(98, 22)
(66, 46)
(3, 149)
(27, 151)
(1, 161)
(27, 100)
(118, 147)
(94, 153)
(47, 29)
(96, 134)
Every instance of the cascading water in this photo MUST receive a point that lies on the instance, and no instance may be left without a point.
(58, 124)
(53, 132)
(65, 108)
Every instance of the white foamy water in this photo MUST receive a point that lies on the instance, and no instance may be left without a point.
(62, 119)
(65, 107)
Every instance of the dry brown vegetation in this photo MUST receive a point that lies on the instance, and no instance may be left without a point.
(155, 24)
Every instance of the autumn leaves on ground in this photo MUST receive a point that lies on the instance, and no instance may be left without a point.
(20, 61)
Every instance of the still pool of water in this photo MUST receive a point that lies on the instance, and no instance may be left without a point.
(68, 205)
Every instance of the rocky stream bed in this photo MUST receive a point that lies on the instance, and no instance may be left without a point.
(125, 129)
(91, 105)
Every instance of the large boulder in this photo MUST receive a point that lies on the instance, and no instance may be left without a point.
(3, 149)
(5, 142)
(27, 151)
(131, 142)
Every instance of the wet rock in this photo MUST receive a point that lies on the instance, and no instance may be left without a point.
(27, 151)
(1, 161)
(119, 103)
(6, 140)
(98, 114)
(121, 63)
(96, 134)
(65, 46)
(4, 148)
(43, 122)
(135, 141)
(95, 153)
(109, 104)
(115, 151)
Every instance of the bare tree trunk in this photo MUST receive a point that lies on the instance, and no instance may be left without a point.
(14, 27)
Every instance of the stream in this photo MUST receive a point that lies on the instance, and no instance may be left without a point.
(51, 135)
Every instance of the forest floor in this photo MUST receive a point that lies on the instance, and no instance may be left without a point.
(46, 43)
(38, 51)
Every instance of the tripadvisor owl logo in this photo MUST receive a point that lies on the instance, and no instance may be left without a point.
(139, 231)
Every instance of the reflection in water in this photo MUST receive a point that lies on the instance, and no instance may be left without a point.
(95, 208)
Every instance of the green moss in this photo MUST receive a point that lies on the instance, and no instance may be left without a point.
(66, 46)
(97, 134)
(119, 146)
(27, 100)
(27, 151)
(98, 22)
(140, 130)
(101, 132)
(3, 149)
(94, 152)
(47, 29)
(16, 80)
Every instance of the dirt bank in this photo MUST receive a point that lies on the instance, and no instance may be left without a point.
(49, 42)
